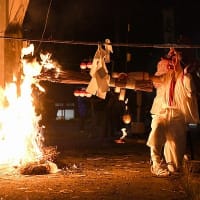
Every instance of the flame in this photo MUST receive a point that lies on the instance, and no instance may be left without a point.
(121, 139)
(21, 139)
(27, 50)
(124, 133)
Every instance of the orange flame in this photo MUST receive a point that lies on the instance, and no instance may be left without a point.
(21, 139)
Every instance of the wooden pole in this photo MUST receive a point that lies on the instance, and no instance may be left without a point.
(136, 80)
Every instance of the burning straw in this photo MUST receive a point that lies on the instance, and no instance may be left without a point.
(21, 138)
(43, 166)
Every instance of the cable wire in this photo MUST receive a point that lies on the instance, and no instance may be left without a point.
(45, 25)
(133, 45)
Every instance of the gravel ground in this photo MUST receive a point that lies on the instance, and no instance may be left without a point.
(94, 168)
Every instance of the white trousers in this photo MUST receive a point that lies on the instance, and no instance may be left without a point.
(168, 136)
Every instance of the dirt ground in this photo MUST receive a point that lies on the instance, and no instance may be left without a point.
(94, 168)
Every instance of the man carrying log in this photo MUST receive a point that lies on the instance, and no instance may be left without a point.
(174, 107)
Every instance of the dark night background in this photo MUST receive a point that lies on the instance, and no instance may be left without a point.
(94, 21)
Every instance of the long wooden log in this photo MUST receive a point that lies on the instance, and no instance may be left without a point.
(66, 77)
(133, 80)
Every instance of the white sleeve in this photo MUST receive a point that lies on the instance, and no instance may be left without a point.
(189, 85)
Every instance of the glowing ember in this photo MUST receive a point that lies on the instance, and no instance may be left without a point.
(21, 139)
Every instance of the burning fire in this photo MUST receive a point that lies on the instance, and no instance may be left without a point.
(121, 139)
(21, 139)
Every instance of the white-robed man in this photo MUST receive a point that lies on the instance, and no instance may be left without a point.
(174, 107)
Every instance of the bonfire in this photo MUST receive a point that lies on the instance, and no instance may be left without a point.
(21, 137)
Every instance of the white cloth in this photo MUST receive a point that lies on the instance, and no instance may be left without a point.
(168, 127)
(184, 97)
(99, 83)
(168, 131)
(108, 49)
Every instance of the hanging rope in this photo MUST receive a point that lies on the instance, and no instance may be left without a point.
(45, 25)
(135, 45)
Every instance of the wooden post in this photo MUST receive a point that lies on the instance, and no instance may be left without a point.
(3, 17)
(11, 14)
